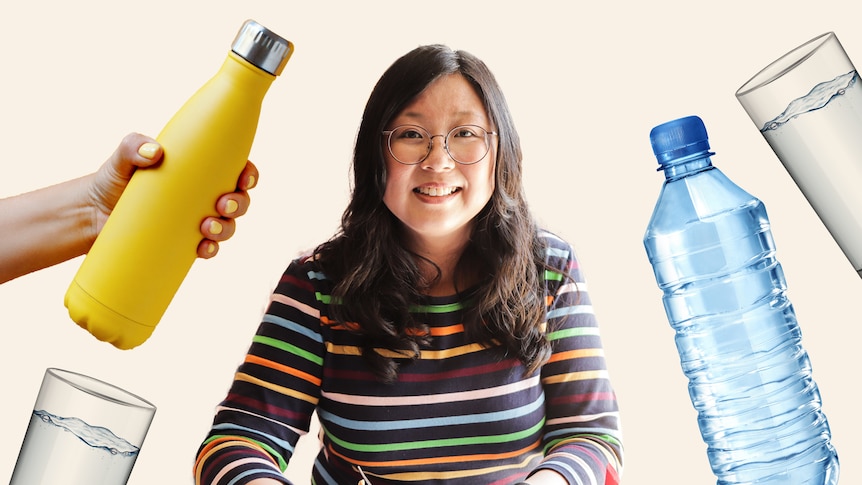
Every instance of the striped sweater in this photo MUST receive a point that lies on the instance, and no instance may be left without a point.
(460, 414)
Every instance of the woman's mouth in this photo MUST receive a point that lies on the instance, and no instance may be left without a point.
(436, 191)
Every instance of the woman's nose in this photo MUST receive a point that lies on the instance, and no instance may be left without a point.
(438, 158)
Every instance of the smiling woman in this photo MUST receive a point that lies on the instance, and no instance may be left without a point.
(440, 335)
(437, 197)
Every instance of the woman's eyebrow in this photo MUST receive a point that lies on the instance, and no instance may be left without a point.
(415, 115)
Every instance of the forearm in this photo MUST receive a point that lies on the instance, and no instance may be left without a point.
(42, 228)
(235, 459)
(583, 436)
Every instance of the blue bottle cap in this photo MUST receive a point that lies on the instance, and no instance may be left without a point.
(680, 138)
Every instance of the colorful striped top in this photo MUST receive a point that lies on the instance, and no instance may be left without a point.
(460, 414)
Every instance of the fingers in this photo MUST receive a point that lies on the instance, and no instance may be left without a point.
(207, 249)
(135, 150)
(248, 178)
(236, 203)
(229, 206)
(218, 230)
(233, 205)
(151, 152)
(214, 230)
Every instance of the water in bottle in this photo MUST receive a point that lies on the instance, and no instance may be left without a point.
(150, 240)
(724, 293)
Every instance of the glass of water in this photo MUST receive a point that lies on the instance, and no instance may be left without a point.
(808, 107)
(82, 431)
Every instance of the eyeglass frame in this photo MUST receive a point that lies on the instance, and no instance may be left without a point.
(388, 135)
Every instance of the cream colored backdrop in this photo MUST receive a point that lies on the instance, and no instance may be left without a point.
(586, 81)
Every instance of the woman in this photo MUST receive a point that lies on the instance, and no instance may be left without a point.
(440, 335)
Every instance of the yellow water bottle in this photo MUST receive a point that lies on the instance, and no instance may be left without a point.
(147, 246)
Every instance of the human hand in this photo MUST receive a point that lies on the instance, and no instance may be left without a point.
(139, 151)
(229, 206)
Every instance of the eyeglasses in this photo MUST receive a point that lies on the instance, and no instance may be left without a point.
(411, 144)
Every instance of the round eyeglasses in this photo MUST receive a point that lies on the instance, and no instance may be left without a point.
(411, 144)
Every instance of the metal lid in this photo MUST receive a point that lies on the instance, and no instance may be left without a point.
(262, 47)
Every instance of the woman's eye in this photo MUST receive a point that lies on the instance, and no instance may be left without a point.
(465, 132)
(411, 134)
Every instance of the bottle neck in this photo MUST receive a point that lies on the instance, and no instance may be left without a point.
(236, 61)
(683, 167)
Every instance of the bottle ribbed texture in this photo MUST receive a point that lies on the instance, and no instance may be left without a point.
(739, 341)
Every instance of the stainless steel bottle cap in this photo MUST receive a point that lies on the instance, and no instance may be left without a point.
(262, 47)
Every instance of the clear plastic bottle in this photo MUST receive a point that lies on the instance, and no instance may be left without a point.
(724, 292)
(146, 248)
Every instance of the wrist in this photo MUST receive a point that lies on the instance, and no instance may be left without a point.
(44, 227)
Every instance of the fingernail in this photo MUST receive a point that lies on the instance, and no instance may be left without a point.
(251, 181)
(230, 207)
(148, 150)
(215, 227)
(211, 248)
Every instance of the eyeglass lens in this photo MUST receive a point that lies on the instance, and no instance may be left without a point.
(465, 144)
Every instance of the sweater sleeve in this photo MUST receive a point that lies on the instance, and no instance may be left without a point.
(582, 436)
(274, 391)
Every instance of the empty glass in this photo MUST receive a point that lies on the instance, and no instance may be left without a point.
(808, 106)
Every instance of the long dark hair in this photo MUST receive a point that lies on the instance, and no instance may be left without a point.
(377, 279)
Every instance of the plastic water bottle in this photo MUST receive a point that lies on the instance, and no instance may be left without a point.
(147, 246)
(724, 292)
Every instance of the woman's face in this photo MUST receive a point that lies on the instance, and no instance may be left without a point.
(438, 198)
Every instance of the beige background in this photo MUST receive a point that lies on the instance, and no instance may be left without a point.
(586, 81)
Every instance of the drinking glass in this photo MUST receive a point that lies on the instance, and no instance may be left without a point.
(82, 432)
(808, 107)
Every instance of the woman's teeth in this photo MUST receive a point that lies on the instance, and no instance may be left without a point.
(436, 191)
